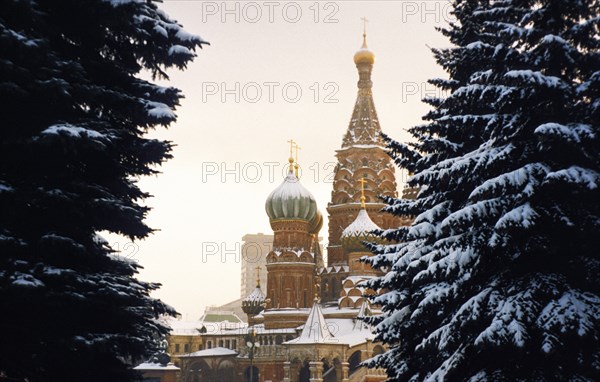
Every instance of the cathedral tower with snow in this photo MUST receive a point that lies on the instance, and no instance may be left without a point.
(304, 326)
(363, 167)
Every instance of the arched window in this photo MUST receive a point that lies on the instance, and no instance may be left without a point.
(353, 362)
(304, 372)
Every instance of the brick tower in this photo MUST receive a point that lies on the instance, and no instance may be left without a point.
(292, 264)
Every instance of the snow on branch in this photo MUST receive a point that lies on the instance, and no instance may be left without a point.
(73, 131)
(535, 78)
(573, 133)
(574, 312)
(524, 179)
(521, 216)
(576, 175)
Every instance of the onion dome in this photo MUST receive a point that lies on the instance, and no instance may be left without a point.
(358, 231)
(316, 223)
(291, 201)
(254, 303)
(364, 55)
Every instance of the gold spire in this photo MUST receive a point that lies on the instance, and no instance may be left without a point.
(296, 166)
(258, 277)
(291, 158)
(365, 21)
(362, 192)
(364, 126)
(364, 55)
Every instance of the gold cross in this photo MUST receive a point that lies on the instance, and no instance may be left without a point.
(365, 21)
(258, 277)
(291, 159)
(292, 143)
(362, 191)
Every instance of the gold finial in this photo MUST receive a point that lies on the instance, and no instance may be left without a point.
(365, 21)
(364, 55)
(296, 166)
(291, 158)
(258, 277)
(362, 192)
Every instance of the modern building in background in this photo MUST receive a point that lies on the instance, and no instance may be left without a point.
(253, 258)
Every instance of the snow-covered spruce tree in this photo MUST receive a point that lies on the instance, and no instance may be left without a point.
(497, 278)
(73, 114)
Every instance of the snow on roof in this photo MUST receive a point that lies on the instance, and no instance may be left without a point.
(362, 224)
(191, 328)
(356, 281)
(280, 311)
(220, 316)
(214, 352)
(361, 147)
(335, 309)
(297, 251)
(316, 329)
(346, 333)
(256, 295)
(291, 188)
(179, 327)
(155, 366)
(334, 269)
(260, 329)
(223, 329)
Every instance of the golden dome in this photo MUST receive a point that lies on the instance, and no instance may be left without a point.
(364, 55)
(316, 223)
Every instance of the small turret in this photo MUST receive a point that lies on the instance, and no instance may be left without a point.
(254, 303)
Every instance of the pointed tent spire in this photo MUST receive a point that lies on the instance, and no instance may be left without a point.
(315, 329)
(364, 311)
(364, 126)
(253, 304)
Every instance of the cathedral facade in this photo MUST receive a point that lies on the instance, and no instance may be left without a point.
(302, 325)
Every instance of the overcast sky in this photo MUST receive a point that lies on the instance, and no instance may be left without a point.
(274, 71)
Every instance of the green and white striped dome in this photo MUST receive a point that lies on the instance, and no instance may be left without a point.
(291, 201)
